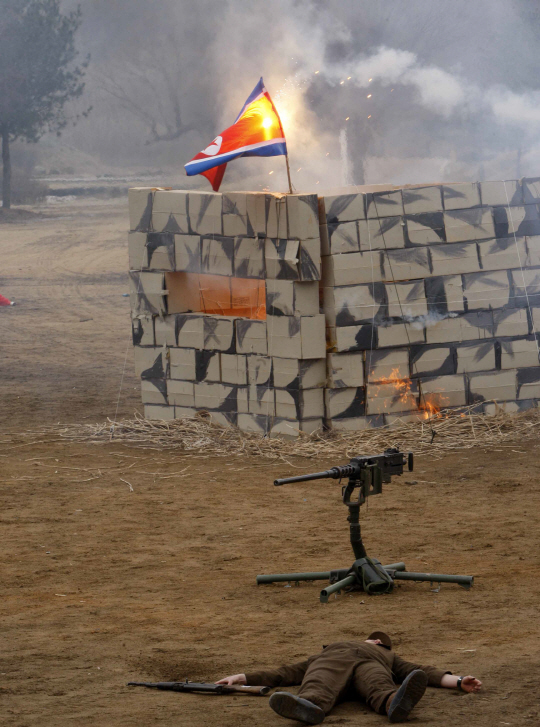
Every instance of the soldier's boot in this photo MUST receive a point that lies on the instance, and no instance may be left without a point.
(293, 707)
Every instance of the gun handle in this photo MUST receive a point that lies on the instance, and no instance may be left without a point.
(260, 691)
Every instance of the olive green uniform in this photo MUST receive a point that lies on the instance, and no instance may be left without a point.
(346, 670)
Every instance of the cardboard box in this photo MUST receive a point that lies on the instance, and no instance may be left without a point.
(357, 424)
(147, 294)
(142, 330)
(217, 397)
(475, 357)
(520, 353)
(276, 216)
(165, 331)
(234, 369)
(296, 337)
(352, 269)
(137, 252)
(299, 403)
(154, 391)
(188, 253)
(468, 327)
(217, 255)
(469, 224)
(508, 192)
(151, 363)
(262, 400)
(289, 298)
(422, 200)
(160, 251)
(345, 370)
(533, 251)
(292, 373)
(432, 361)
(387, 203)
(282, 257)
(140, 209)
(345, 339)
(207, 366)
(390, 398)
(309, 260)
(406, 300)
(353, 304)
(219, 334)
(251, 336)
(498, 385)
(205, 215)
(256, 213)
(528, 383)
(516, 220)
(169, 212)
(444, 295)
(342, 238)
(486, 290)
(425, 228)
(291, 429)
(510, 323)
(503, 253)
(526, 282)
(249, 257)
(442, 392)
(508, 407)
(455, 259)
(223, 419)
(406, 264)
(383, 233)
(189, 330)
(182, 393)
(345, 403)
(235, 219)
(159, 413)
(303, 216)
(260, 370)
(392, 364)
(531, 190)
(463, 195)
(183, 364)
(183, 412)
(258, 424)
(344, 207)
(400, 334)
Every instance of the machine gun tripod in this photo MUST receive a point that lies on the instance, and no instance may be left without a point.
(366, 474)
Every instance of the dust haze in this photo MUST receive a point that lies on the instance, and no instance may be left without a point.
(370, 92)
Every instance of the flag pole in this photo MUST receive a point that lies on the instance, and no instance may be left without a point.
(286, 153)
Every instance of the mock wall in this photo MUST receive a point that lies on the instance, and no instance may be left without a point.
(430, 295)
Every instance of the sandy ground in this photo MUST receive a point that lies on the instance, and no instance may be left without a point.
(124, 564)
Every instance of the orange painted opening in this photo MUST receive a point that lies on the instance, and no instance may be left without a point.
(216, 295)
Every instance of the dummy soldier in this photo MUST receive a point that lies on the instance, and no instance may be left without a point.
(368, 670)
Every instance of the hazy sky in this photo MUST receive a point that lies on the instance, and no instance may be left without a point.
(454, 90)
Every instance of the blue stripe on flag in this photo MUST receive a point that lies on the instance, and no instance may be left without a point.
(197, 166)
(259, 88)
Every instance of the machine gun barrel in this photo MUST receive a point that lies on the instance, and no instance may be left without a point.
(336, 473)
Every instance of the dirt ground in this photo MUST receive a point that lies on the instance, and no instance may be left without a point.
(127, 564)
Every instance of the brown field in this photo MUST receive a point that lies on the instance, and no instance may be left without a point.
(105, 581)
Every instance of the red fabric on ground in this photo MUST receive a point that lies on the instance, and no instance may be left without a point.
(4, 301)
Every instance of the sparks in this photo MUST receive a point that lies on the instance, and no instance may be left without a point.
(370, 80)
(270, 172)
(341, 83)
(316, 72)
(369, 95)
(299, 169)
(369, 117)
(391, 90)
(327, 153)
(349, 78)
(348, 117)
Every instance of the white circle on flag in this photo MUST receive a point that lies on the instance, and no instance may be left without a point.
(214, 147)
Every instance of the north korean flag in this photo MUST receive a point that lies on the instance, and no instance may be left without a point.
(257, 131)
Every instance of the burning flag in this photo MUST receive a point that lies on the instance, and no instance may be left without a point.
(257, 131)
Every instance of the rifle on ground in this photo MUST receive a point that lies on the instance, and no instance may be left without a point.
(202, 687)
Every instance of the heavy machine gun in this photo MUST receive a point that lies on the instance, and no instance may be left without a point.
(365, 474)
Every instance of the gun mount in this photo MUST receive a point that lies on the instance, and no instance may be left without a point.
(367, 475)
